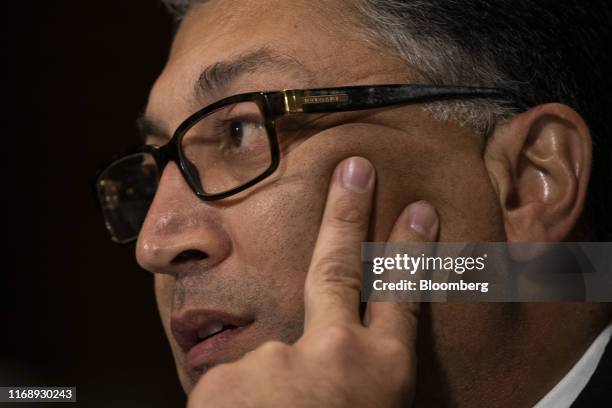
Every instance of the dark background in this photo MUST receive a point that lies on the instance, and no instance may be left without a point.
(76, 309)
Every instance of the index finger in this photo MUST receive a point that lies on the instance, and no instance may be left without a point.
(333, 283)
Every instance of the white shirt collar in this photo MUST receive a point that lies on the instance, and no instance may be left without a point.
(566, 391)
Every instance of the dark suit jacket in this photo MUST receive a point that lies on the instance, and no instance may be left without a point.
(598, 391)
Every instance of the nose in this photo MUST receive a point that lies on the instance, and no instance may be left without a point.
(180, 230)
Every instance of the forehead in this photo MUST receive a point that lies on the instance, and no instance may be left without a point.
(320, 38)
(311, 31)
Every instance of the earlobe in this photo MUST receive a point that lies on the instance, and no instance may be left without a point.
(539, 163)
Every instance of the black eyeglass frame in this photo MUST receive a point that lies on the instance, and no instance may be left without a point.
(275, 104)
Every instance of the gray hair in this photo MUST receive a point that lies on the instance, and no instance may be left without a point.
(541, 51)
(435, 58)
(430, 56)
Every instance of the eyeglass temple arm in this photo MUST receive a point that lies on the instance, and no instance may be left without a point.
(367, 97)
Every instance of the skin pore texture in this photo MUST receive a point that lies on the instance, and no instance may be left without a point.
(259, 242)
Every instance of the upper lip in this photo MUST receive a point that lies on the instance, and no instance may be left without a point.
(186, 325)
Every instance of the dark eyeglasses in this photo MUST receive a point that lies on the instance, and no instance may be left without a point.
(234, 144)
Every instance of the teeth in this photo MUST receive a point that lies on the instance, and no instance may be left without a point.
(210, 330)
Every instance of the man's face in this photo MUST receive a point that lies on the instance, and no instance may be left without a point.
(242, 261)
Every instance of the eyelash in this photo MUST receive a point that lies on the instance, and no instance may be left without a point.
(222, 124)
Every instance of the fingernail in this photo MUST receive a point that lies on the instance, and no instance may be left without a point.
(356, 173)
(423, 219)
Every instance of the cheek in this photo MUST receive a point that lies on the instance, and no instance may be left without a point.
(443, 166)
(275, 226)
(278, 224)
(470, 206)
(274, 232)
(274, 229)
(457, 186)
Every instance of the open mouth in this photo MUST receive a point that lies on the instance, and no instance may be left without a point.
(214, 329)
(207, 336)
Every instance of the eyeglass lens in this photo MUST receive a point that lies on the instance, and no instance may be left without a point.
(225, 149)
(228, 147)
(125, 190)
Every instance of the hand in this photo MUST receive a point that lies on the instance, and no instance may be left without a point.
(339, 361)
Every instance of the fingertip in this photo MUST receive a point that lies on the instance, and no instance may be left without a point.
(356, 174)
(422, 218)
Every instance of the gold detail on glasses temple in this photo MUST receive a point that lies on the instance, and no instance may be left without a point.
(325, 99)
(295, 100)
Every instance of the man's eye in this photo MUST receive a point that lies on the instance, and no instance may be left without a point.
(237, 133)
(245, 134)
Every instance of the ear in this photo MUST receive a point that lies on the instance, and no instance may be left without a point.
(539, 163)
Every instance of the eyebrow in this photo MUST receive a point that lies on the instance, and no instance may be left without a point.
(216, 78)
(148, 126)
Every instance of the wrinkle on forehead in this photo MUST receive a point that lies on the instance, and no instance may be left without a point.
(317, 43)
(228, 27)
(221, 74)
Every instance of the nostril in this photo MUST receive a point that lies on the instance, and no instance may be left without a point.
(189, 255)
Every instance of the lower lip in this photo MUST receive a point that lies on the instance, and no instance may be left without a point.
(213, 349)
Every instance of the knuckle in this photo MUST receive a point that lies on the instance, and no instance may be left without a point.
(275, 355)
(336, 339)
(330, 264)
(335, 348)
(334, 294)
(334, 268)
(332, 279)
(335, 271)
(394, 350)
(345, 211)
